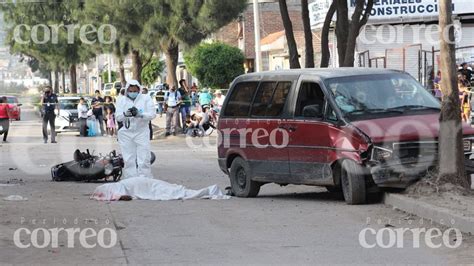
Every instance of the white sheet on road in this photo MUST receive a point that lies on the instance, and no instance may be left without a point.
(154, 189)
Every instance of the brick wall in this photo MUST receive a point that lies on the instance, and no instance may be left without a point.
(270, 22)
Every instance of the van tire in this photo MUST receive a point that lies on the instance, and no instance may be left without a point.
(241, 182)
(353, 183)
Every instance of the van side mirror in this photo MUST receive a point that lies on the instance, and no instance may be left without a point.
(313, 111)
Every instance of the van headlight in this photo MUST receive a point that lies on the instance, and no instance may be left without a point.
(380, 154)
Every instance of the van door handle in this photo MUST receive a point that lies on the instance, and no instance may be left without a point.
(288, 127)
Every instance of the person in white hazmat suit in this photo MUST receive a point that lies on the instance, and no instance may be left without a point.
(135, 110)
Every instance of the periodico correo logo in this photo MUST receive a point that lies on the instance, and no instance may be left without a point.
(77, 235)
(390, 237)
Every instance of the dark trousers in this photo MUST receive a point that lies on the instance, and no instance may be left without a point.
(83, 127)
(5, 123)
(49, 117)
(100, 119)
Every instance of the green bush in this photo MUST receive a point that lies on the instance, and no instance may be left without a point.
(216, 64)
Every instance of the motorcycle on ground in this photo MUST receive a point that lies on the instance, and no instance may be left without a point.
(89, 167)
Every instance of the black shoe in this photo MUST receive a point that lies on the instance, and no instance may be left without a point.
(167, 134)
(53, 142)
(174, 133)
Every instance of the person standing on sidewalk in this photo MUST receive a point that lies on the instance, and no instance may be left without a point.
(82, 110)
(160, 99)
(172, 101)
(49, 103)
(97, 110)
(185, 107)
(4, 117)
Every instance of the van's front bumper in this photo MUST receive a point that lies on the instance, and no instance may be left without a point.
(402, 173)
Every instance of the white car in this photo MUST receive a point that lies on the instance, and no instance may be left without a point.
(67, 120)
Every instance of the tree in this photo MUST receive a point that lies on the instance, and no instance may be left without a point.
(215, 64)
(152, 71)
(290, 37)
(347, 30)
(55, 55)
(308, 35)
(325, 53)
(128, 17)
(105, 76)
(451, 152)
(187, 23)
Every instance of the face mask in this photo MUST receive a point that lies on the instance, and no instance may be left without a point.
(133, 95)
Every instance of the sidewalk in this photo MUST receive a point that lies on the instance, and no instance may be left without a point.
(449, 209)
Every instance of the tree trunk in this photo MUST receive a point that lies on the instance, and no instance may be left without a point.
(63, 76)
(359, 19)
(290, 38)
(56, 81)
(136, 65)
(451, 155)
(171, 55)
(72, 74)
(308, 36)
(325, 53)
(50, 78)
(342, 29)
(123, 81)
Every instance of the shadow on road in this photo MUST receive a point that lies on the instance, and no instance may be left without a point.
(373, 198)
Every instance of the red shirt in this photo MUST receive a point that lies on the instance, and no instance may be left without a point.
(4, 108)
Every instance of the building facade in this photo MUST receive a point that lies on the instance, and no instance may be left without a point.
(240, 33)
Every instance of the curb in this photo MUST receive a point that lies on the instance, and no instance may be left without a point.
(428, 211)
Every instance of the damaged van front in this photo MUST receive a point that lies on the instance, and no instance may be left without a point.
(399, 120)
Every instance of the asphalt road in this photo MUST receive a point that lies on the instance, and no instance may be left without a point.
(284, 225)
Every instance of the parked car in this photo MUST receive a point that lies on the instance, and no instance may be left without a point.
(68, 120)
(16, 110)
(350, 130)
(108, 88)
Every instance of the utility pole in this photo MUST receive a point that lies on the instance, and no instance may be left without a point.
(256, 23)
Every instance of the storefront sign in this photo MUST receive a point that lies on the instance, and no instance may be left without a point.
(392, 11)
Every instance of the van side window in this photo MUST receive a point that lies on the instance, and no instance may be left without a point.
(240, 99)
(263, 98)
(279, 99)
(310, 97)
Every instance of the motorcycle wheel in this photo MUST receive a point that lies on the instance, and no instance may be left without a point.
(117, 176)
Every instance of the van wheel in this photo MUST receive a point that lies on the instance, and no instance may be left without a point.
(240, 179)
(353, 183)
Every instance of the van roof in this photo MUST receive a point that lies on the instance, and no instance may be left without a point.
(326, 72)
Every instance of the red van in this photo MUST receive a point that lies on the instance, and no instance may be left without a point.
(16, 107)
(349, 129)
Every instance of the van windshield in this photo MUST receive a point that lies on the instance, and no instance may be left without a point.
(378, 95)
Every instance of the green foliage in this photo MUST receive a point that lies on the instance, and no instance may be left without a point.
(105, 76)
(215, 64)
(152, 71)
(52, 55)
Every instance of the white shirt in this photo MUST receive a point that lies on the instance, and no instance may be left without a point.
(82, 110)
(172, 98)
